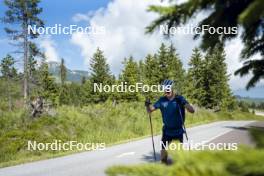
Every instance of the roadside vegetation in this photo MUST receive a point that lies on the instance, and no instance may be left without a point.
(244, 161)
(98, 123)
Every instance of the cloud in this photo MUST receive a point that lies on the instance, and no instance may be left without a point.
(49, 47)
(125, 33)
(81, 17)
(125, 23)
(233, 49)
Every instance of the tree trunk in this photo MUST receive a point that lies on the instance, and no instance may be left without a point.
(25, 47)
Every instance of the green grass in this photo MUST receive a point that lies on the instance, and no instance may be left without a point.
(257, 135)
(95, 123)
(243, 162)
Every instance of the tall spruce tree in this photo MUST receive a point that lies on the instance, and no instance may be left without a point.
(24, 13)
(151, 70)
(209, 80)
(175, 69)
(151, 73)
(130, 75)
(100, 73)
(194, 81)
(163, 63)
(63, 72)
(221, 91)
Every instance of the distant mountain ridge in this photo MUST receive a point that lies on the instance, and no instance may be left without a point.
(250, 99)
(254, 93)
(75, 76)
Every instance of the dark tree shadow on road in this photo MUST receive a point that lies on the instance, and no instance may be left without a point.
(237, 128)
(245, 128)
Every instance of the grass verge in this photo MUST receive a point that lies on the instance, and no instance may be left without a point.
(95, 124)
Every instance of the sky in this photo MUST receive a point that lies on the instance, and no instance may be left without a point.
(124, 22)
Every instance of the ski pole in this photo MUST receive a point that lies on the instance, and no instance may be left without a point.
(151, 128)
(184, 128)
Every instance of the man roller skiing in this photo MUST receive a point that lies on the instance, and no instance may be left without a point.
(172, 107)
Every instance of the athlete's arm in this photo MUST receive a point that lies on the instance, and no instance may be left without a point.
(189, 108)
(151, 108)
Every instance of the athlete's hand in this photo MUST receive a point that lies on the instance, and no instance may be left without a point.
(147, 103)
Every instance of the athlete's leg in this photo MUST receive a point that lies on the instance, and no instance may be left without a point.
(165, 143)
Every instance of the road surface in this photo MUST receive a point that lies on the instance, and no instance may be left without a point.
(95, 162)
(261, 113)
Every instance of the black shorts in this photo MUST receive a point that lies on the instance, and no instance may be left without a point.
(167, 139)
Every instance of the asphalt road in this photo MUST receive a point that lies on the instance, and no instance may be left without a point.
(95, 162)
(240, 135)
(259, 113)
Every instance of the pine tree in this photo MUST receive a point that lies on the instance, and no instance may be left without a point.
(8, 73)
(222, 92)
(211, 84)
(151, 70)
(100, 73)
(47, 87)
(25, 14)
(194, 83)
(63, 72)
(175, 69)
(151, 73)
(130, 76)
(163, 63)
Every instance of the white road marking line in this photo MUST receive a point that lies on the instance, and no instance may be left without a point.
(125, 154)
